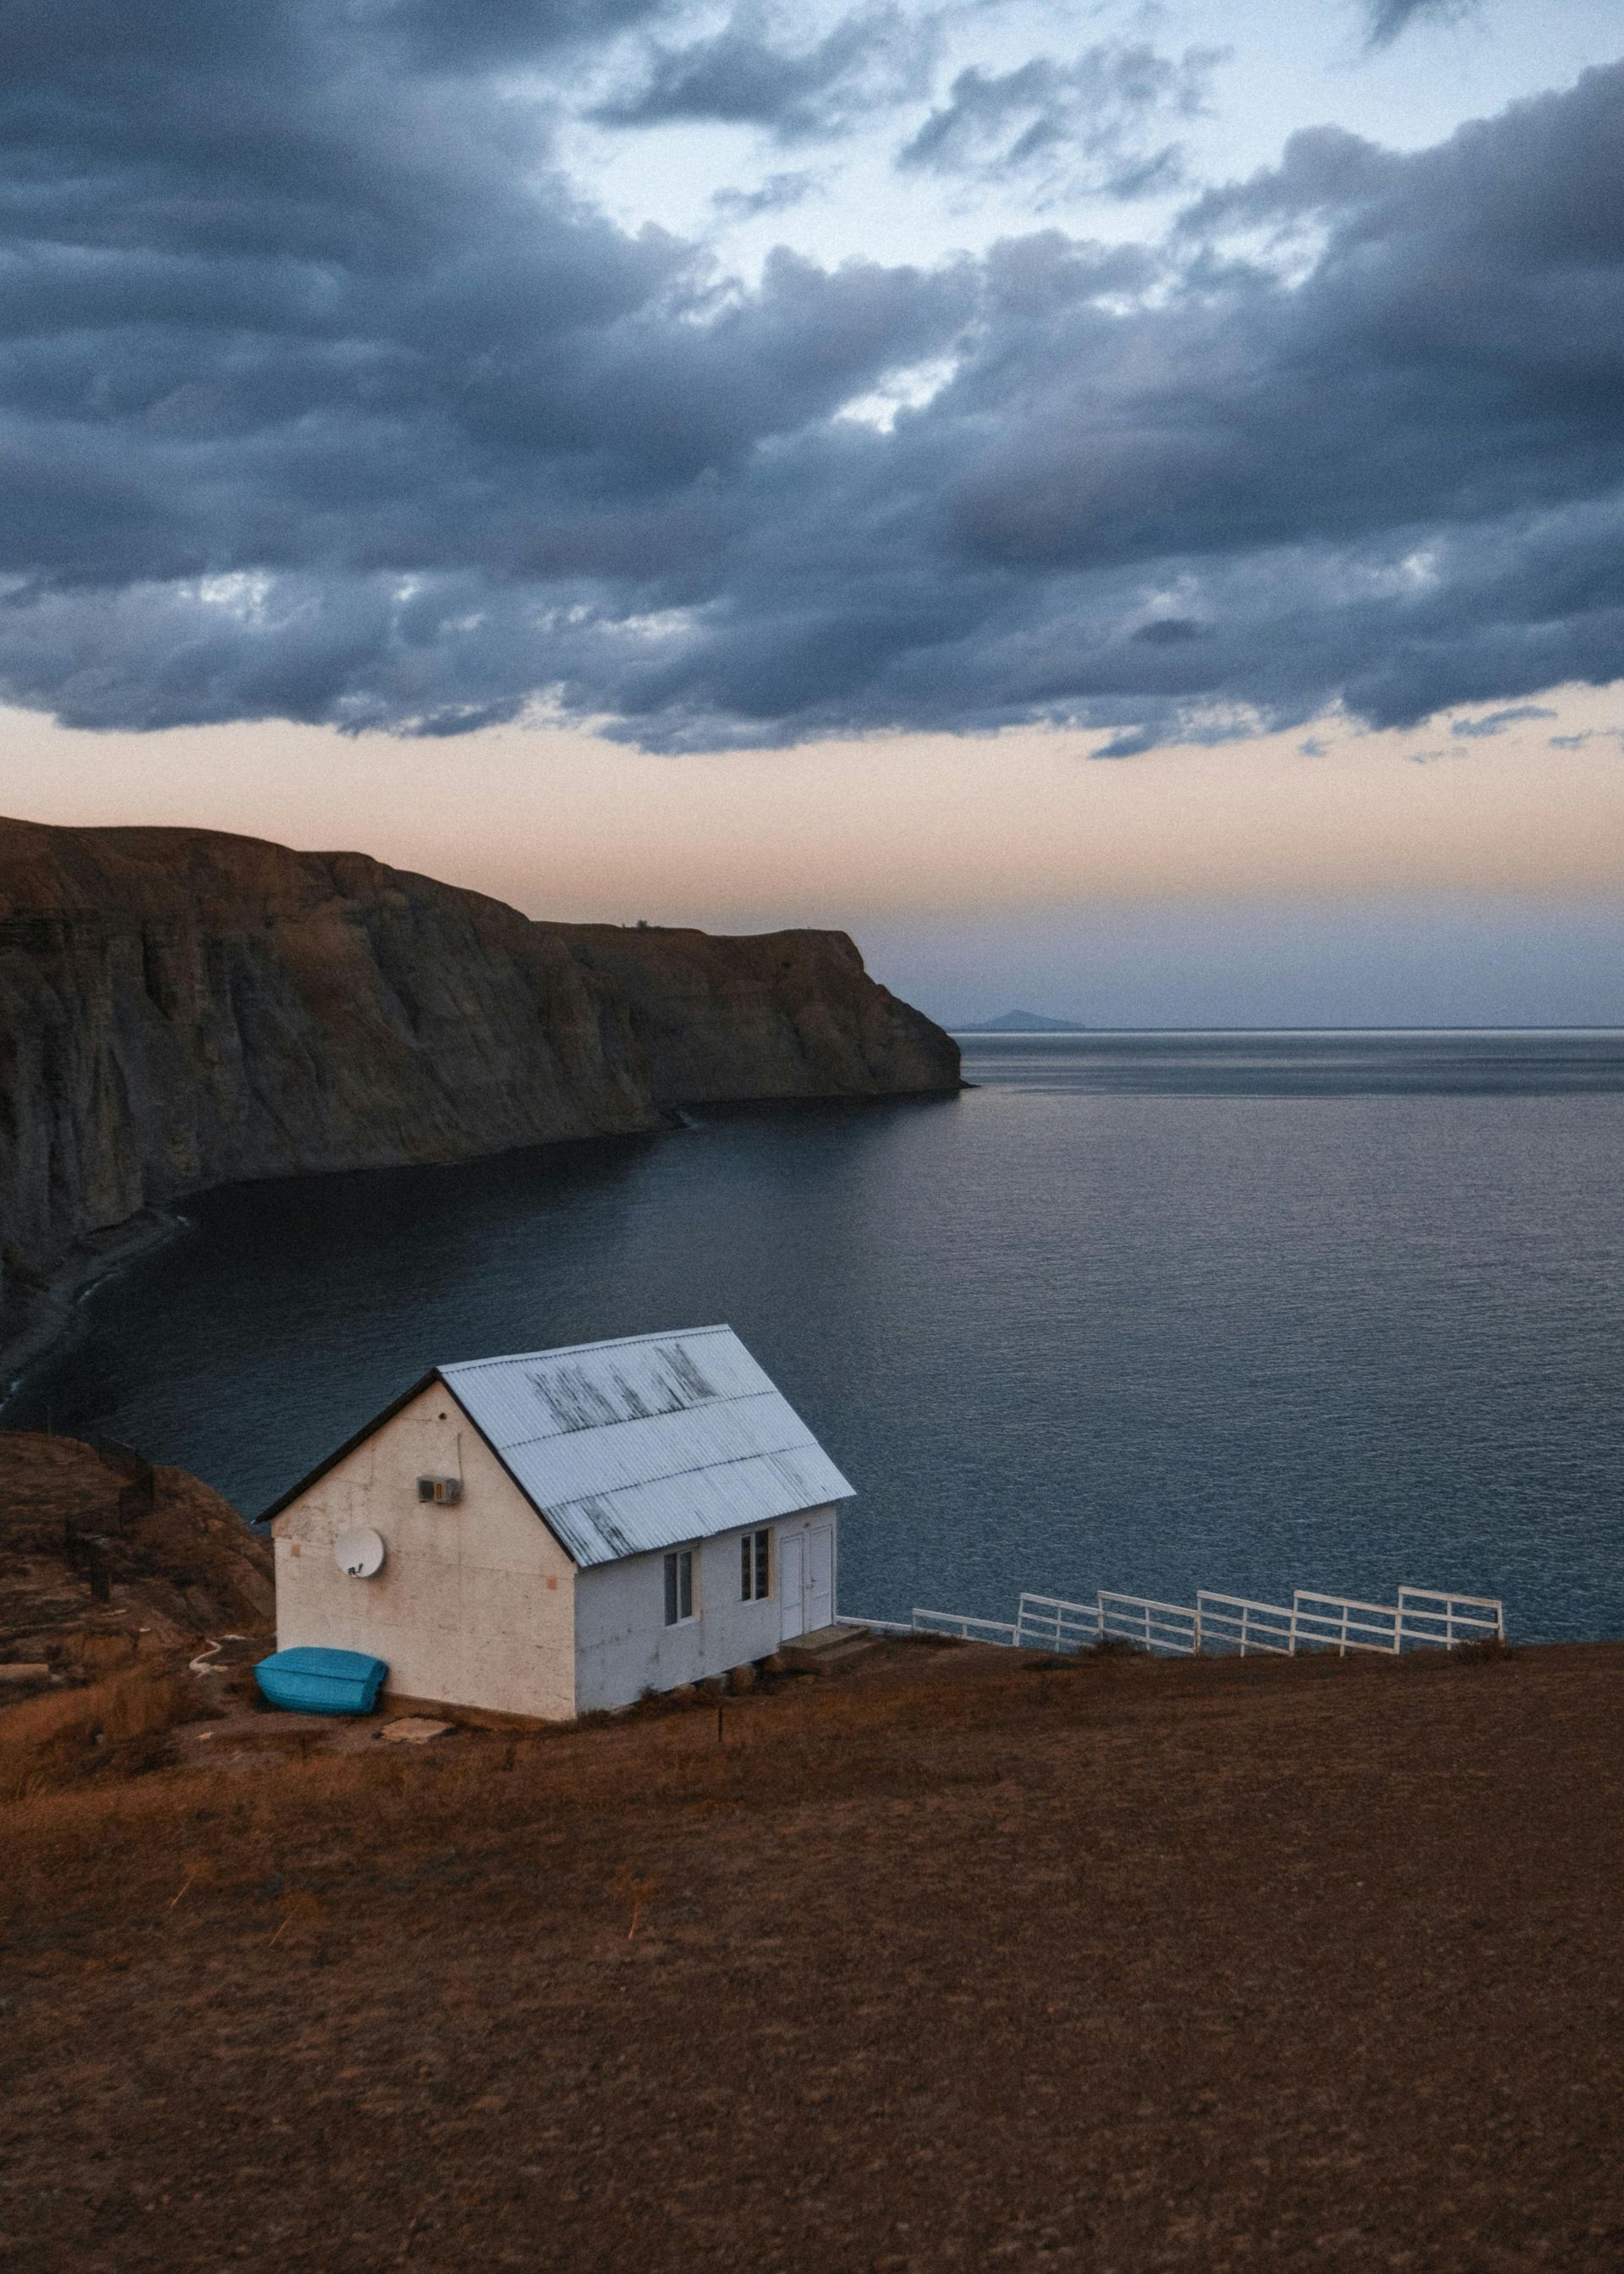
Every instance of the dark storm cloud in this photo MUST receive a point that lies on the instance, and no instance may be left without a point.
(1168, 631)
(750, 75)
(321, 397)
(1092, 124)
(472, 35)
(1385, 20)
(1323, 170)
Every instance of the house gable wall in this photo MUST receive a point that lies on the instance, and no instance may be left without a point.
(475, 1604)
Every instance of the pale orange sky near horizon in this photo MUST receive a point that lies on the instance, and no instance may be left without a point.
(565, 825)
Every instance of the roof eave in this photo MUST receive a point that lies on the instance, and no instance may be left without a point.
(351, 1444)
(379, 1420)
(694, 1539)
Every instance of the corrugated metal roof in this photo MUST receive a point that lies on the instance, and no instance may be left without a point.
(629, 1446)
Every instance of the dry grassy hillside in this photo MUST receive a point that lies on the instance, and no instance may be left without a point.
(949, 1962)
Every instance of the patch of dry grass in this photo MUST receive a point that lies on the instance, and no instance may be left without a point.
(963, 1717)
(98, 1840)
(49, 1742)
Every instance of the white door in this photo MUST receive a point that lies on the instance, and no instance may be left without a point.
(818, 1599)
(793, 1617)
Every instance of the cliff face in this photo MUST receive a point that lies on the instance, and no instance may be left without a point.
(180, 1009)
(784, 1014)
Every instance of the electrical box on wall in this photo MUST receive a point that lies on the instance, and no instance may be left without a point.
(446, 1491)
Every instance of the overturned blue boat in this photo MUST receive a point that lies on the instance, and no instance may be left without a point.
(312, 1681)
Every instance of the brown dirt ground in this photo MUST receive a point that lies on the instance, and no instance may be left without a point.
(944, 1963)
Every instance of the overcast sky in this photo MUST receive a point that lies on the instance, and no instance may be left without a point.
(1082, 494)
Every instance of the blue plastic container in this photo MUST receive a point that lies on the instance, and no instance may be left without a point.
(313, 1680)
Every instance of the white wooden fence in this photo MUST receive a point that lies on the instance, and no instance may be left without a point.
(950, 1623)
(1421, 1616)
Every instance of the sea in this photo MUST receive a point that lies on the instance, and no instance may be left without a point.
(1150, 1312)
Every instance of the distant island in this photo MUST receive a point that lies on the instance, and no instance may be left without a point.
(1019, 1022)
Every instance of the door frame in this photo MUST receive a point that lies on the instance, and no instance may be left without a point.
(813, 1531)
(791, 1537)
(796, 1535)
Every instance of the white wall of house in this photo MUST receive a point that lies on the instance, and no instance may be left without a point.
(475, 1604)
(478, 1605)
(623, 1645)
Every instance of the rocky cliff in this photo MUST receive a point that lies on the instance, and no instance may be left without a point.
(181, 1009)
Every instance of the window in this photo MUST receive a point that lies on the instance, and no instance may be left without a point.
(754, 1567)
(678, 1586)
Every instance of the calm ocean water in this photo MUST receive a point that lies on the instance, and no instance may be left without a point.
(1142, 1311)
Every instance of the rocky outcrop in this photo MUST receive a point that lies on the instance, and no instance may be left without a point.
(180, 1009)
(96, 1570)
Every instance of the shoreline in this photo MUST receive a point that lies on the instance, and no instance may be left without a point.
(45, 1319)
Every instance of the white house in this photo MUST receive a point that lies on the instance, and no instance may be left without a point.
(557, 1533)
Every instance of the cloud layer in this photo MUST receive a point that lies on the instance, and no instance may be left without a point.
(322, 397)
(746, 75)
(1094, 124)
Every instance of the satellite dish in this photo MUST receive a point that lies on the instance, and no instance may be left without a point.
(360, 1554)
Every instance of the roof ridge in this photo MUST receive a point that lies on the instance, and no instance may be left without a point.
(573, 1350)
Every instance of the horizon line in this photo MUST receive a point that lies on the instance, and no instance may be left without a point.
(1070, 1034)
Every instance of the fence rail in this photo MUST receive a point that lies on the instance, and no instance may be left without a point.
(1421, 1618)
(1342, 1622)
(1045, 1623)
(1166, 1627)
(1236, 1623)
(1479, 1616)
(966, 1630)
